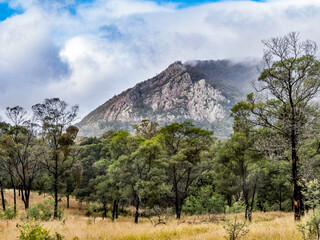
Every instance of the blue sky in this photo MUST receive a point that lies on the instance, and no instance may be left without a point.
(7, 11)
(90, 50)
(186, 3)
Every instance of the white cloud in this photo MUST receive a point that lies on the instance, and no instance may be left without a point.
(109, 45)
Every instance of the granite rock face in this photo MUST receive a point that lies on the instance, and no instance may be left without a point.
(202, 92)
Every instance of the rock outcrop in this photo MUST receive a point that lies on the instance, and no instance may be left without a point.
(202, 92)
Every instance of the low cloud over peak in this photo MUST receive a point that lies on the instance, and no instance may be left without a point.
(87, 51)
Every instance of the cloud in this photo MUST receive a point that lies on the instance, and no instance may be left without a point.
(28, 56)
(87, 52)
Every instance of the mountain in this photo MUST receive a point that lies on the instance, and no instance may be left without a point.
(201, 92)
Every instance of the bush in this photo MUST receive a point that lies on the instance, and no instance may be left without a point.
(43, 211)
(60, 213)
(204, 202)
(8, 213)
(94, 209)
(311, 229)
(237, 207)
(235, 229)
(31, 231)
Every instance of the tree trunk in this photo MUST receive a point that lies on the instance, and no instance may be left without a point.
(177, 202)
(229, 200)
(280, 199)
(178, 210)
(68, 200)
(22, 195)
(26, 204)
(246, 196)
(297, 195)
(136, 217)
(104, 214)
(55, 188)
(26, 198)
(246, 210)
(3, 200)
(14, 200)
(117, 210)
(14, 195)
(252, 201)
(114, 209)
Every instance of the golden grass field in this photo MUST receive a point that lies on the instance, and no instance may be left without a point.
(265, 226)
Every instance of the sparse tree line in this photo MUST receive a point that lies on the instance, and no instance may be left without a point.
(36, 150)
(270, 162)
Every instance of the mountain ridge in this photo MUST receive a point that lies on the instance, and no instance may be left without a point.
(202, 92)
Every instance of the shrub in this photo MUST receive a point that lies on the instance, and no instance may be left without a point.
(43, 211)
(31, 231)
(94, 209)
(235, 229)
(237, 207)
(60, 213)
(9, 213)
(311, 229)
(205, 201)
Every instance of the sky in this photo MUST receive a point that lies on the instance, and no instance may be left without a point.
(87, 51)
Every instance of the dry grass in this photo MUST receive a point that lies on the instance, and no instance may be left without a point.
(265, 226)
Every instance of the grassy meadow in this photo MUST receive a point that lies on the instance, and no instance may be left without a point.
(265, 226)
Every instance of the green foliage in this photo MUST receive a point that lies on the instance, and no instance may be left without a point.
(184, 146)
(60, 213)
(43, 211)
(241, 168)
(237, 207)
(31, 231)
(312, 194)
(93, 209)
(235, 229)
(9, 213)
(146, 129)
(311, 229)
(206, 201)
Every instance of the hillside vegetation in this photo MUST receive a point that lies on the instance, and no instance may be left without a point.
(176, 180)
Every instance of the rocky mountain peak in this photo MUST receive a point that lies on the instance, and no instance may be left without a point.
(182, 92)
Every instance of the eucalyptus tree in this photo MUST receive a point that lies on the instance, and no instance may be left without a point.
(149, 177)
(4, 127)
(184, 146)
(147, 129)
(284, 101)
(135, 172)
(58, 134)
(244, 164)
(90, 152)
(21, 153)
(121, 170)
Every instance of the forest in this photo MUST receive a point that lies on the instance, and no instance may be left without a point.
(269, 163)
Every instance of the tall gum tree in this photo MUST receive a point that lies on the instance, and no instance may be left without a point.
(56, 118)
(21, 153)
(285, 98)
(184, 146)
